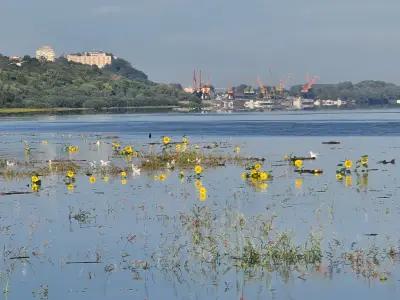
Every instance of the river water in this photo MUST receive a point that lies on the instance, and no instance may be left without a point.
(130, 242)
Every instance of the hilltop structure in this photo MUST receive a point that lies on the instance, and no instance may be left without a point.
(99, 59)
(46, 53)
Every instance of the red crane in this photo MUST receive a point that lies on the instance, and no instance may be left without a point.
(309, 84)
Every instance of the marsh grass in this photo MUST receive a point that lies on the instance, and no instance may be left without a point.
(233, 240)
(151, 161)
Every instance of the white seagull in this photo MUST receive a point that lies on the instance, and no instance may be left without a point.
(10, 163)
(104, 163)
(135, 170)
(313, 155)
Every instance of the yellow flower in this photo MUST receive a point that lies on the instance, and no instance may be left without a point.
(70, 174)
(198, 169)
(166, 140)
(35, 187)
(123, 174)
(348, 164)
(70, 187)
(244, 175)
(198, 184)
(264, 176)
(128, 150)
(202, 190)
(35, 179)
(339, 176)
(203, 197)
(178, 147)
(124, 181)
(185, 140)
(254, 173)
(298, 183)
(298, 163)
(72, 149)
(257, 166)
(162, 177)
(92, 179)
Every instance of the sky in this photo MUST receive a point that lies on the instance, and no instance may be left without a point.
(231, 41)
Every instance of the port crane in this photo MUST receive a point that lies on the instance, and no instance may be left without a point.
(311, 81)
(263, 88)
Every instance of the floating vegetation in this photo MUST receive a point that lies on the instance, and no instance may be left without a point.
(257, 177)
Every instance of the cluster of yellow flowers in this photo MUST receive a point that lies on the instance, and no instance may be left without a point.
(36, 183)
(201, 190)
(343, 171)
(257, 173)
(128, 150)
(257, 177)
(72, 149)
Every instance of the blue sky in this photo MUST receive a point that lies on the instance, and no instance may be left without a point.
(231, 41)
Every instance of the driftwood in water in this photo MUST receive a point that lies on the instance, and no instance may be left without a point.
(83, 262)
(331, 143)
(14, 193)
(294, 158)
(385, 162)
(314, 172)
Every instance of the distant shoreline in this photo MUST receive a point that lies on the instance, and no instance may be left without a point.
(4, 111)
(171, 108)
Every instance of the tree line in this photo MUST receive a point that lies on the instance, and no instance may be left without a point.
(37, 84)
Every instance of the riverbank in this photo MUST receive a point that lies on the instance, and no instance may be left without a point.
(8, 111)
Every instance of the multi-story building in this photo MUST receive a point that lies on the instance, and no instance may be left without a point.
(46, 53)
(99, 59)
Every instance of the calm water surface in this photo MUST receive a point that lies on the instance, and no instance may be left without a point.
(131, 229)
